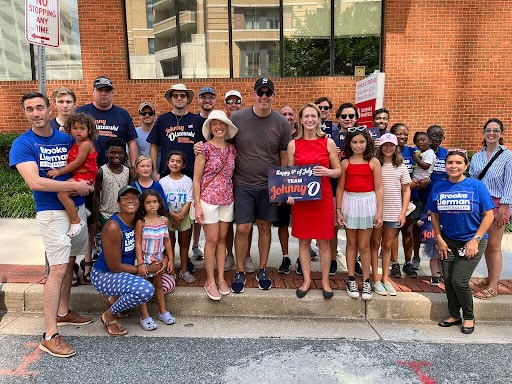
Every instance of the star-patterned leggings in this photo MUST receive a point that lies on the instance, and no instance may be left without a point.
(132, 290)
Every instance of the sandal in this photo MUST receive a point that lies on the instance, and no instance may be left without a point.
(148, 324)
(481, 283)
(486, 294)
(86, 276)
(166, 318)
(113, 328)
(75, 229)
(75, 280)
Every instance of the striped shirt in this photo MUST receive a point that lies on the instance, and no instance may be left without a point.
(392, 180)
(498, 178)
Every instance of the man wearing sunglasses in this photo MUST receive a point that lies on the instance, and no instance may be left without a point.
(232, 102)
(261, 141)
(111, 120)
(147, 113)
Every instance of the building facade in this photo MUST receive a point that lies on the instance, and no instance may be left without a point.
(446, 62)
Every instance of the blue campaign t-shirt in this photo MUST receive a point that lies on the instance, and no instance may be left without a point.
(127, 247)
(47, 152)
(114, 122)
(439, 171)
(407, 153)
(460, 207)
(176, 134)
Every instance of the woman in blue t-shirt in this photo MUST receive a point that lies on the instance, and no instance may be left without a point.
(114, 273)
(463, 208)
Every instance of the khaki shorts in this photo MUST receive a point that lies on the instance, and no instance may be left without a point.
(215, 213)
(185, 224)
(54, 226)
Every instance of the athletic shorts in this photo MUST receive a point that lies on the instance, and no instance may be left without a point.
(252, 204)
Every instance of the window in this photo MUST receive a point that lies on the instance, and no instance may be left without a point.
(240, 38)
(62, 63)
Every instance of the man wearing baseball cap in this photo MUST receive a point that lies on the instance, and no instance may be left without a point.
(111, 120)
(262, 139)
(232, 102)
(147, 113)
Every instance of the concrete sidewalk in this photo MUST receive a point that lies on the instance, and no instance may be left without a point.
(22, 272)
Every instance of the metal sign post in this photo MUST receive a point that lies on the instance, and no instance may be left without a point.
(41, 68)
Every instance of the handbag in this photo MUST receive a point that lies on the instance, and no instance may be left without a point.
(484, 171)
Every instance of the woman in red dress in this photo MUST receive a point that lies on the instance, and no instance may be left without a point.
(314, 219)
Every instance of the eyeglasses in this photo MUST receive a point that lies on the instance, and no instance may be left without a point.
(260, 93)
(350, 116)
(357, 129)
(129, 198)
(323, 107)
(202, 97)
(179, 95)
(495, 130)
(147, 113)
(237, 101)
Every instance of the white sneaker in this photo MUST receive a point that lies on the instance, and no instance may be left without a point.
(352, 290)
(228, 263)
(367, 293)
(379, 288)
(249, 266)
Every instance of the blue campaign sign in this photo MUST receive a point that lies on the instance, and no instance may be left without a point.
(297, 182)
(327, 128)
(374, 132)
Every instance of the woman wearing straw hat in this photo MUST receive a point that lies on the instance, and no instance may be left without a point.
(213, 196)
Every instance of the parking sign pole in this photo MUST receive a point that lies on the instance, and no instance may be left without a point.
(41, 68)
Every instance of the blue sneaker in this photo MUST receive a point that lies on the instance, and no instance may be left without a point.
(238, 284)
(190, 266)
(263, 280)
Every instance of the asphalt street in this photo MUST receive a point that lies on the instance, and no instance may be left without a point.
(237, 351)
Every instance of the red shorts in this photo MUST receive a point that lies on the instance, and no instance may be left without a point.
(506, 215)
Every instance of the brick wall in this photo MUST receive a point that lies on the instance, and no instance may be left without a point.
(446, 62)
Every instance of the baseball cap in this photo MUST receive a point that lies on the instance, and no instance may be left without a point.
(125, 189)
(264, 82)
(233, 92)
(388, 138)
(102, 82)
(145, 104)
(207, 90)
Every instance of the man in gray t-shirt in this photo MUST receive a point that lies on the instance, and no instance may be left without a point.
(261, 141)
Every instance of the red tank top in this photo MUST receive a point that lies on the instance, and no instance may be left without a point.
(359, 178)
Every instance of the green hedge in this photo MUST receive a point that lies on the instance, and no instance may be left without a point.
(6, 140)
(15, 196)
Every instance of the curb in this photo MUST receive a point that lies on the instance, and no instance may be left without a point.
(276, 303)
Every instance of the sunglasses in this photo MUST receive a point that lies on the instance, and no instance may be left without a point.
(350, 116)
(179, 96)
(147, 113)
(323, 107)
(356, 129)
(238, 101)
(260, 93)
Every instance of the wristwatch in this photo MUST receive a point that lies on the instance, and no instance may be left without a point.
(477, 238)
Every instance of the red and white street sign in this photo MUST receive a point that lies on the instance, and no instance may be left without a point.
(369, 97)
(42, 22)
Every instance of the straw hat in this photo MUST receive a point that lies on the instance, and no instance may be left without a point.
(221, 116)
(179, 87)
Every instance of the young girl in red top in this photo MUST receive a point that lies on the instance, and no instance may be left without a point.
(81, 163)
(359, 200)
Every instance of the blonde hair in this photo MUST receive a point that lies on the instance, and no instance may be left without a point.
(142, 158)
(300, 128)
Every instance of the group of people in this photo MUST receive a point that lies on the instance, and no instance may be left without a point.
(189, 171)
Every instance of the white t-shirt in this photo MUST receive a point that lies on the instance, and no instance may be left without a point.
(428, 157)
(177, 192)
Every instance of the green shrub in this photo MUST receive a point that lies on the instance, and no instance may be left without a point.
(15, 195)
(6, 140)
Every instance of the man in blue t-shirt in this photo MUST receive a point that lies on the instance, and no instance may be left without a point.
(111, 120)
(33, 154)
(177, 130)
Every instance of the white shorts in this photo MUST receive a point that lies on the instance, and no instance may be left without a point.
(215, 213)
(54, 226)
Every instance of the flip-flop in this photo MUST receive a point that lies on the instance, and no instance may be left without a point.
(107, 324)
(486, 294)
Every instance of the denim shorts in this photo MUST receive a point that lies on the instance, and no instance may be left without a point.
(391, 224)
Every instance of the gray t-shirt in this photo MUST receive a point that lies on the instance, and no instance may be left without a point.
(258, 143)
